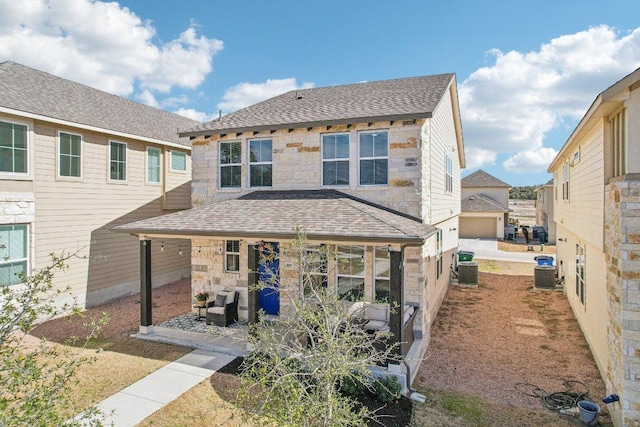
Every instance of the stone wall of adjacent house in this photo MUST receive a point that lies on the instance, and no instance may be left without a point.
(622, 251)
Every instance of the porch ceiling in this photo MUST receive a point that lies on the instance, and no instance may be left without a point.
(321, 214)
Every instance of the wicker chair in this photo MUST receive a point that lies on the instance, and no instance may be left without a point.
(223, 314)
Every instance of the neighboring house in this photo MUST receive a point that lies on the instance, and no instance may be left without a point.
(485, 206)
(74, 163)
(544, 210)
(371, 169)
(596, 178)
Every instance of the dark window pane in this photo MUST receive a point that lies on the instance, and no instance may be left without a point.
(20, 161)
(230, 176)
(366, 172)
(350, 288)
(260, 176)
(6, 134)
(20, 136)
(382, 290)
(380, 171)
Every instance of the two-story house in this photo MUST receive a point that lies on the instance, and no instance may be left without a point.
(485, 206)
(75, 162)
(596, 180)
(370, 169)
(544, 209)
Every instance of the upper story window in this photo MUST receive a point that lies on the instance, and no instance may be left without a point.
(232, 256)
(618, 143)
(14, 154)
(350, 261)
(117, 161)
(335, 159)
(260, 163)
(230, 164)
(13, 254)
(69, 155)
(381, 268)
(566, 175)
(178, 161)
(374, 158)
(154, 168)
(448, 174)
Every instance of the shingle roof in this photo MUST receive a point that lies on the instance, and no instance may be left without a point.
(482, 179)
(481, 203)
(32, 91)
(322, 214)
(399, 99)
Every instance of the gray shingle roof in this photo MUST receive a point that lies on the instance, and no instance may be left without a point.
(322, 214)
(32, 91)
(399, 99)
(481, 203)
(482, 179)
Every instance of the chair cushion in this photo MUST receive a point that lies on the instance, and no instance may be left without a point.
(378, 312)
(215, 310)
(376, 325)
(229, 294)
(221, 300)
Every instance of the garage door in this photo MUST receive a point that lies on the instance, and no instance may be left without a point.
(471, 227)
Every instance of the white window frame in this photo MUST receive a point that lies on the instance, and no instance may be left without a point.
(147, 164)
(448, 174)
(221, 166)
(350, 276)
(59, 163)
(618, 127)
(335, 159)
(566, 179)
(182, 153)
(377, 278)
(228, 253)
(323, 274)
(25, 260)
(117, 181)
(439, 258)
(261, 163)
(21, 175)
(361, 158)
(581, 273)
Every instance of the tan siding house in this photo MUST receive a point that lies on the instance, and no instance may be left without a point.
(484, 206)
(64, 185)
(596, 187)
(545, 208)
(370, 169)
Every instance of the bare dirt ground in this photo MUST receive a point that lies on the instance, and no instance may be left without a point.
(523, 210)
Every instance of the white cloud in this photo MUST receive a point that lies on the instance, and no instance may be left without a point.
(530, 161)
(510, 106)
(103, 45)
(193, 114)
(245, 94)
(476, 157)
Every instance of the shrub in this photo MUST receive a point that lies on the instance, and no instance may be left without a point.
(387, 389)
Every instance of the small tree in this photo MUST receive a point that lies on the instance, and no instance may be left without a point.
(298, 365)
(35, 377)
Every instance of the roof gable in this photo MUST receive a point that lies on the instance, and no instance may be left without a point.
(27, 90)
(482, 179)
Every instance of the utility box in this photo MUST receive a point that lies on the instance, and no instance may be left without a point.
(468, 273)
(544, 276)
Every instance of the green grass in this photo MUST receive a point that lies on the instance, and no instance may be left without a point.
(469, 408)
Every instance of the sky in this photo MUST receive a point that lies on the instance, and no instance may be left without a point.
(526, 71)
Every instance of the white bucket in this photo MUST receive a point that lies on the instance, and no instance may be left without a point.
(589, 412)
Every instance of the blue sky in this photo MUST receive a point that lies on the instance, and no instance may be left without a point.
(527, 70)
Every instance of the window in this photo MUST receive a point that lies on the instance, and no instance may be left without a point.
(581, 263)
(232, 256)
(335, 159)
(618, 143)
(154, 156)
(315, 269)
(230, 164)
(13, 254)
(260, 163)
(439, 260)
(374, 160)
(178, 161)
(69, 155)
(118, 161)
(565, 181)
(448, 175)
(381, 268)
(350, 261)
(13, 148)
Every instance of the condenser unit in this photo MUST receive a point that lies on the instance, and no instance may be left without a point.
(468, 273)
(544, 276)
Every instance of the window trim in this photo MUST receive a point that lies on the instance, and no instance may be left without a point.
(126, 149)
(58, 162)
(22, 176)
(360, 158)
(27, 269)
(439, 258)
(236, 254)
(220, 166)
(581, 267)
(171, 168)
(250, 163)
(566, 179)
(146, 166)
(335, 159)
(448, 174)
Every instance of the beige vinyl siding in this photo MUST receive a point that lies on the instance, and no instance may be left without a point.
(79, 215)
(178, 183)
(583, 213)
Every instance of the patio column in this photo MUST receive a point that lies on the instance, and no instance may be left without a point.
(396, 299)
(145, 286)
(254, 278)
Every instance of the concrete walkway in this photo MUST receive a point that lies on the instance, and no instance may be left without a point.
(488, 249)
(136, 402)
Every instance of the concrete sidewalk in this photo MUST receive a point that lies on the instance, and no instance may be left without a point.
(488, 249)
(136, 402)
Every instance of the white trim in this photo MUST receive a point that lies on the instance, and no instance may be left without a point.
(226, 269)
(146, 166)
(360, 184)
(29, 176)
(93, 128)
(335, 160)
(64, 177)
(126, 163)
(250, 163)
(27, 244)
(220, 166)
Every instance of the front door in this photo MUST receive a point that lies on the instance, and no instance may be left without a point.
(269, 273)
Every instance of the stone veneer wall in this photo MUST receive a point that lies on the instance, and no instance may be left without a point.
(622, 252)
(19, 208)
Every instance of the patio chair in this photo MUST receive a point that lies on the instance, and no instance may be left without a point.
(223, 311)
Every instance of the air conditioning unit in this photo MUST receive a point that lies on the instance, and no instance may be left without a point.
(544, 276)
(468, 273)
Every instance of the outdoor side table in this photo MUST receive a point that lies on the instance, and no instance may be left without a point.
(200, 315)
